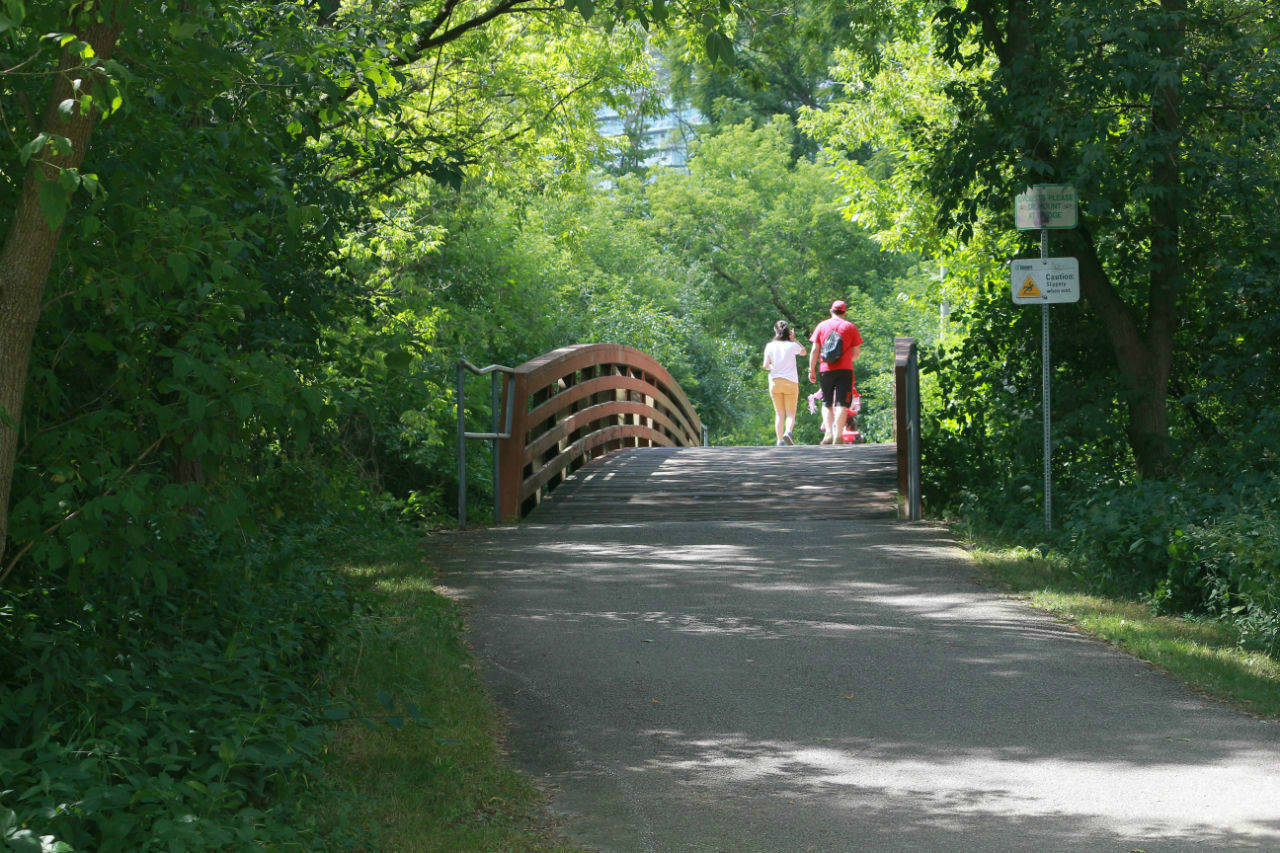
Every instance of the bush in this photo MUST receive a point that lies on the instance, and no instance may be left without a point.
(1122, 534)
(187, 720)
(1229, 567)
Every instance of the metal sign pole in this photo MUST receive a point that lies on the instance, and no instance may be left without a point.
(462, 445)
(1044, 391)
(495, 408)
(1046, 281)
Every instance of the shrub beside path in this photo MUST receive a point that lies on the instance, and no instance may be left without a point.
(697, 652)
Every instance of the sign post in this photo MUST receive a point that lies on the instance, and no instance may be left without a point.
(1046, 282)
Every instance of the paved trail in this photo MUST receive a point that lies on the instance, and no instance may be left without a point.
(760, 679)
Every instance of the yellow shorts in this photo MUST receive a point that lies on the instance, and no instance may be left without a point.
(785, 394)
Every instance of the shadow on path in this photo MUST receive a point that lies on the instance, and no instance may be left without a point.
(836, 686)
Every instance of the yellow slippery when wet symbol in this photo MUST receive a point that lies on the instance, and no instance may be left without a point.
(1029, 290)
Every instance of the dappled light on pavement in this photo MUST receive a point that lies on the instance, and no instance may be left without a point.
(785, 684)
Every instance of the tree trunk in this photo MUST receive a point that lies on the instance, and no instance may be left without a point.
(1143, 360)
(28, 253)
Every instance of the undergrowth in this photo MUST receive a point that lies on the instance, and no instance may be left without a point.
(184, 718)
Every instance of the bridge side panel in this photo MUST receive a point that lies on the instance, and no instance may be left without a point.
(555, 428)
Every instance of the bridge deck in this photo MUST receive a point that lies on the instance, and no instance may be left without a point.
(713, 483)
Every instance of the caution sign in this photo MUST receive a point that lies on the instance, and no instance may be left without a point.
(1045, 282)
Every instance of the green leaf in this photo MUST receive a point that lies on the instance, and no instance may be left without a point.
(24, 840)
(53, 203)
(196, 406)
(97, 342)
(179, 266)
(69, 179)
(447, 172)
(399, 359)
(719, 47)
(78, 545)
(132, 503)
(385, 700)
(33, 147)
(242, 405)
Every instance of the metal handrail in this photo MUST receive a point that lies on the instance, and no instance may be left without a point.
(493, 371)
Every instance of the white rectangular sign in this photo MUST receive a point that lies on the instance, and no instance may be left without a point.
(1045, 206)
(1045, 282)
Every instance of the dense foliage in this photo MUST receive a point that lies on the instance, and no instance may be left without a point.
(188, 716)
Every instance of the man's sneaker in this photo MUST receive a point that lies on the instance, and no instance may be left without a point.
(780, 442)
(786, 438)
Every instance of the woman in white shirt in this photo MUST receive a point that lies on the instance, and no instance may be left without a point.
(784, 382)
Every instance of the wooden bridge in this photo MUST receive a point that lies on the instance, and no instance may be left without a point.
(611, 420)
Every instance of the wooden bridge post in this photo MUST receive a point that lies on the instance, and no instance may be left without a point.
(906, 422)
(511, 451)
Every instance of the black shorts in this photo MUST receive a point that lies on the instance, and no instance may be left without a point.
(836, 385)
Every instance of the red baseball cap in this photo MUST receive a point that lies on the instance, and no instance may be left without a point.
(838, 306)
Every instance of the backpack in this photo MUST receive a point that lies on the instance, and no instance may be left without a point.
(832, 347)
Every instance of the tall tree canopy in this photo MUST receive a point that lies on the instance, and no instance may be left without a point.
(1161, 115)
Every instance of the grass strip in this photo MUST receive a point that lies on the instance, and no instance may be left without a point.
(1204, 654)
(439, 782)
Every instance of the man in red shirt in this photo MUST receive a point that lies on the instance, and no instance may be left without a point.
(836, 374)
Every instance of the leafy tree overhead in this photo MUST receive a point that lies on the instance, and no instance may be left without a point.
(312, 108)
(779, 65)
(766, 232)
(324, 96)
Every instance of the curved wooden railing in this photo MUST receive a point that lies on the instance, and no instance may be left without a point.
(579, 402)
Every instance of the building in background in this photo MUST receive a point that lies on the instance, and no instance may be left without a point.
(656, 133)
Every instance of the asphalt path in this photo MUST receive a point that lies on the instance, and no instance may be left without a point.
(825, 685)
